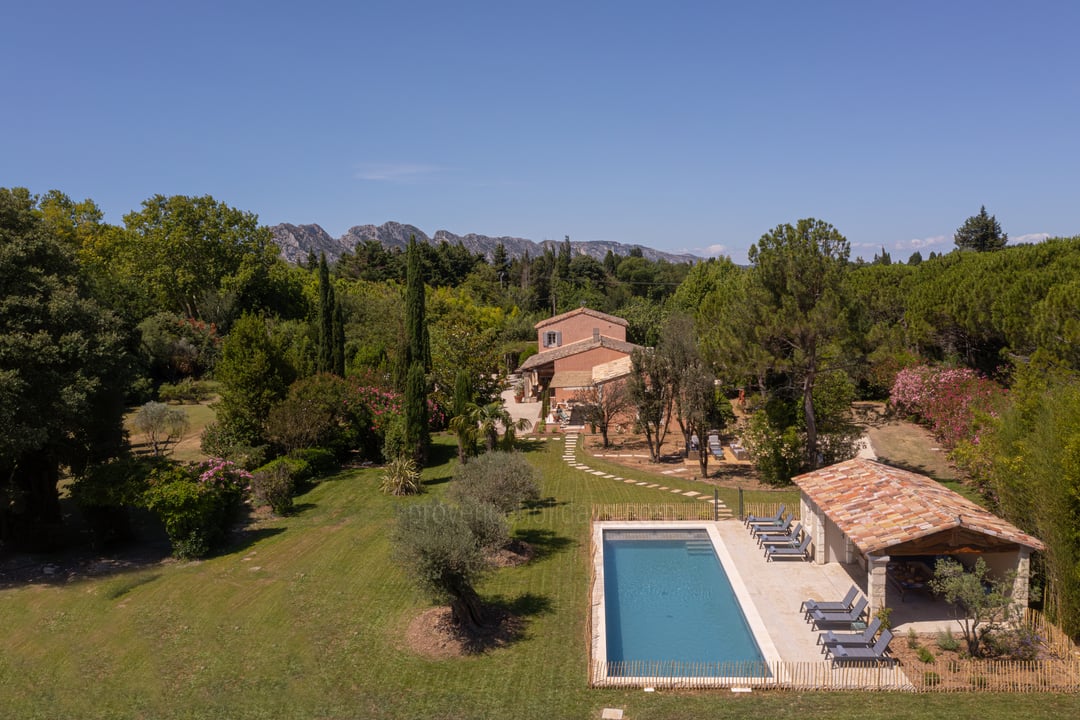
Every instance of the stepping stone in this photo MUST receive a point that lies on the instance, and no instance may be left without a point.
(597, 472)
(617, 478)
(691, 493)
(663, 487)
(628, 481)
(676, 490)
(682, 469)
(608, 475)
(654, 485)
(642, 483)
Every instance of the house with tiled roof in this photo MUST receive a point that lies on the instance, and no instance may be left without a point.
(864, 512)
(577, 349)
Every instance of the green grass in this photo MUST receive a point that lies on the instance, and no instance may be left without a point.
(305, 620)
(729, 496)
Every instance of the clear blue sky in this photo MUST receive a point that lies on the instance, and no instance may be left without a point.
(685, 126)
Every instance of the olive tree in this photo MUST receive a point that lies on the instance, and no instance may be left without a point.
(445, 555)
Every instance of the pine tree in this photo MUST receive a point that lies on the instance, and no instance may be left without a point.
(981, 233)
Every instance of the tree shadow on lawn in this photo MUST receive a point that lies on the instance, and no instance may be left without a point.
(544, 543)
(242, 538)
(507, 622)
(534, 507)
(917, 468)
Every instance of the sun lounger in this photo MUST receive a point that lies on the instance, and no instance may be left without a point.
(789, 551)
(791, 538)
(839, 617)
(828, 640)
(831, 605)
(766, 519)
(781, 527)
(875, 653)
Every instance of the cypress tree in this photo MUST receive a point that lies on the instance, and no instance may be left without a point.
(339, 340)
(463, 392)
(417, 357)
(417, 437)
(325, 360)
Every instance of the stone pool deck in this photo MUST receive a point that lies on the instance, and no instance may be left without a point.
(778, 588)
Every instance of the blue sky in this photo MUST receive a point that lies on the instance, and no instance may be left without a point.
(685, 126)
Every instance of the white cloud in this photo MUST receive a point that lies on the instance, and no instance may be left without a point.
(1029, 238)
(712, 251)
(395, 172)
(919, 243)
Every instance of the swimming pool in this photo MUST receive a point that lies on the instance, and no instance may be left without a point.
(664, 605)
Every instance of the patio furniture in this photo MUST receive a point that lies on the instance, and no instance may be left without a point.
(828, 640)
(789, 551)
(839, 617)
(790, 538)
(854, 653)
(829, 605)
(766, 519)
(780, 527)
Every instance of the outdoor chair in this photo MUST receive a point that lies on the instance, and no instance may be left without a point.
(875, 653)
(766, 519)
(828, 640)
(790, 538)
(839, 617)
(831, 605)
(780, 527)
(789, 551)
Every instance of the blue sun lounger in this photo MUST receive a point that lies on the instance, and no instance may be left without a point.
(854, 653)
(829, 640)
(831, 605)
(839, 617)
(789, 551)
(752, 520)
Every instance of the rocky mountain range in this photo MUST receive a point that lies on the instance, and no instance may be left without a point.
(296, 241)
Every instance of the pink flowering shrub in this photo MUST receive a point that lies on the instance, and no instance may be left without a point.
(197, 504)
(948, 400)
(224, 475)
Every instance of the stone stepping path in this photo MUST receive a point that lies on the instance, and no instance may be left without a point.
(570, 458)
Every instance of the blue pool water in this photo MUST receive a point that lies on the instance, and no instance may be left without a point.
(668, 599)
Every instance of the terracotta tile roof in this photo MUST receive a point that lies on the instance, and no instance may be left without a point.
(620, 367)
(550, 356)
(582, 311)
(571, 379)
(878, 506)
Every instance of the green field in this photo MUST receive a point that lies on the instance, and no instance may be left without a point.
(304, 619)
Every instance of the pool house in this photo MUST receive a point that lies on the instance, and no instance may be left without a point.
(894, 524)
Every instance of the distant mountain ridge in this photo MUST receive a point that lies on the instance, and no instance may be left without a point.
(296, 241)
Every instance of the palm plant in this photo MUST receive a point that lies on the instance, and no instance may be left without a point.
(400, 477)
(486, 421)
(493, 416)
(465, 426)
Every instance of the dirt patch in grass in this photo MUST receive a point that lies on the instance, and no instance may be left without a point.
(903, 444)
(433, 634)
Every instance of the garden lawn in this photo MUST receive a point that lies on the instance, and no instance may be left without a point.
(305, 619)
